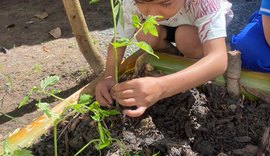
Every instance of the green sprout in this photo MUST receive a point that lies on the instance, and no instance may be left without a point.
(84, 105)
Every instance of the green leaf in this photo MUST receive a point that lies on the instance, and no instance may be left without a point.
(85, 99)
(101, 133)
(116, 9)
(122, 42)
(146, 47)
(121, 17)
(110, 112)
(160, 17)
(93, 1)
(151, 20)
(135, 21)
(49, 81)
(44, 107)
(6, 146)
(150, 25)
(156, 154)
(80, 108)
(34, 89)
(103, 144)
(96, 117)
(24, 101)
(104, 135)
(94, 107)
(22, 152)
(55, 91)
(151, 29)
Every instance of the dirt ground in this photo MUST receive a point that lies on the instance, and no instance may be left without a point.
(203, 121)
(29, 54)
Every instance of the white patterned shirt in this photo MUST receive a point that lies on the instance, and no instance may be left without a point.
(210, 17)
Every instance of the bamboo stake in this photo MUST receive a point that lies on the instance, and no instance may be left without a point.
(254, 83)
(83, 36)
(233, 73)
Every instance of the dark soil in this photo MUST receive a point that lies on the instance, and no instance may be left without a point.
(203, 121)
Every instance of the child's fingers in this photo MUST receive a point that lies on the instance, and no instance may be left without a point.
(102, 101)
(107, 96)
(127, 102)
(124, 86)
(124, 94)
(135, 113)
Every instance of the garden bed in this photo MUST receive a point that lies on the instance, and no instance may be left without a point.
(203, 121)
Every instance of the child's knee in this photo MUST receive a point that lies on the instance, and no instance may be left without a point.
(188, 42)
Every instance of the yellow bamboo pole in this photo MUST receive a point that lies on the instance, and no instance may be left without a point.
(26, 136)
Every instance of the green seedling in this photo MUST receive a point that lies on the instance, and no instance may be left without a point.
(84, 105)
(19, 152)
(7, 88)
(37, 68)
(7, 78)
(148, 26)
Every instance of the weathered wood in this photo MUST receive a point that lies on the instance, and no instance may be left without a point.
(233, 73)
(83, 36)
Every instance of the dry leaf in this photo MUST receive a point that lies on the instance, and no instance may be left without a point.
(41, 15)
(44, 48)
(56, 33)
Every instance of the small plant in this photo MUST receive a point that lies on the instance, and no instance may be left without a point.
(83, 106)
(7, 79)
(37, 68)
(7, 88)
(86, 102)
(148, 26)
(19, 152)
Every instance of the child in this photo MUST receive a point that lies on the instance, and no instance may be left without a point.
(254, 40)
(198, 27)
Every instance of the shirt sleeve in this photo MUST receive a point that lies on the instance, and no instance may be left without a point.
(210, 18)
(127, 30)
(265, 7)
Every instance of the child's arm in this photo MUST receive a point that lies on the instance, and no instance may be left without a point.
(266, 27)
(214, 63)
(144, 92)
(103, 88)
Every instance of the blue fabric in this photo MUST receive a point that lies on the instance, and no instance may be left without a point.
(255, 52)
(265, 7)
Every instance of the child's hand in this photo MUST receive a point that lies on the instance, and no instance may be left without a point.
(103, 91)
(141, 92)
